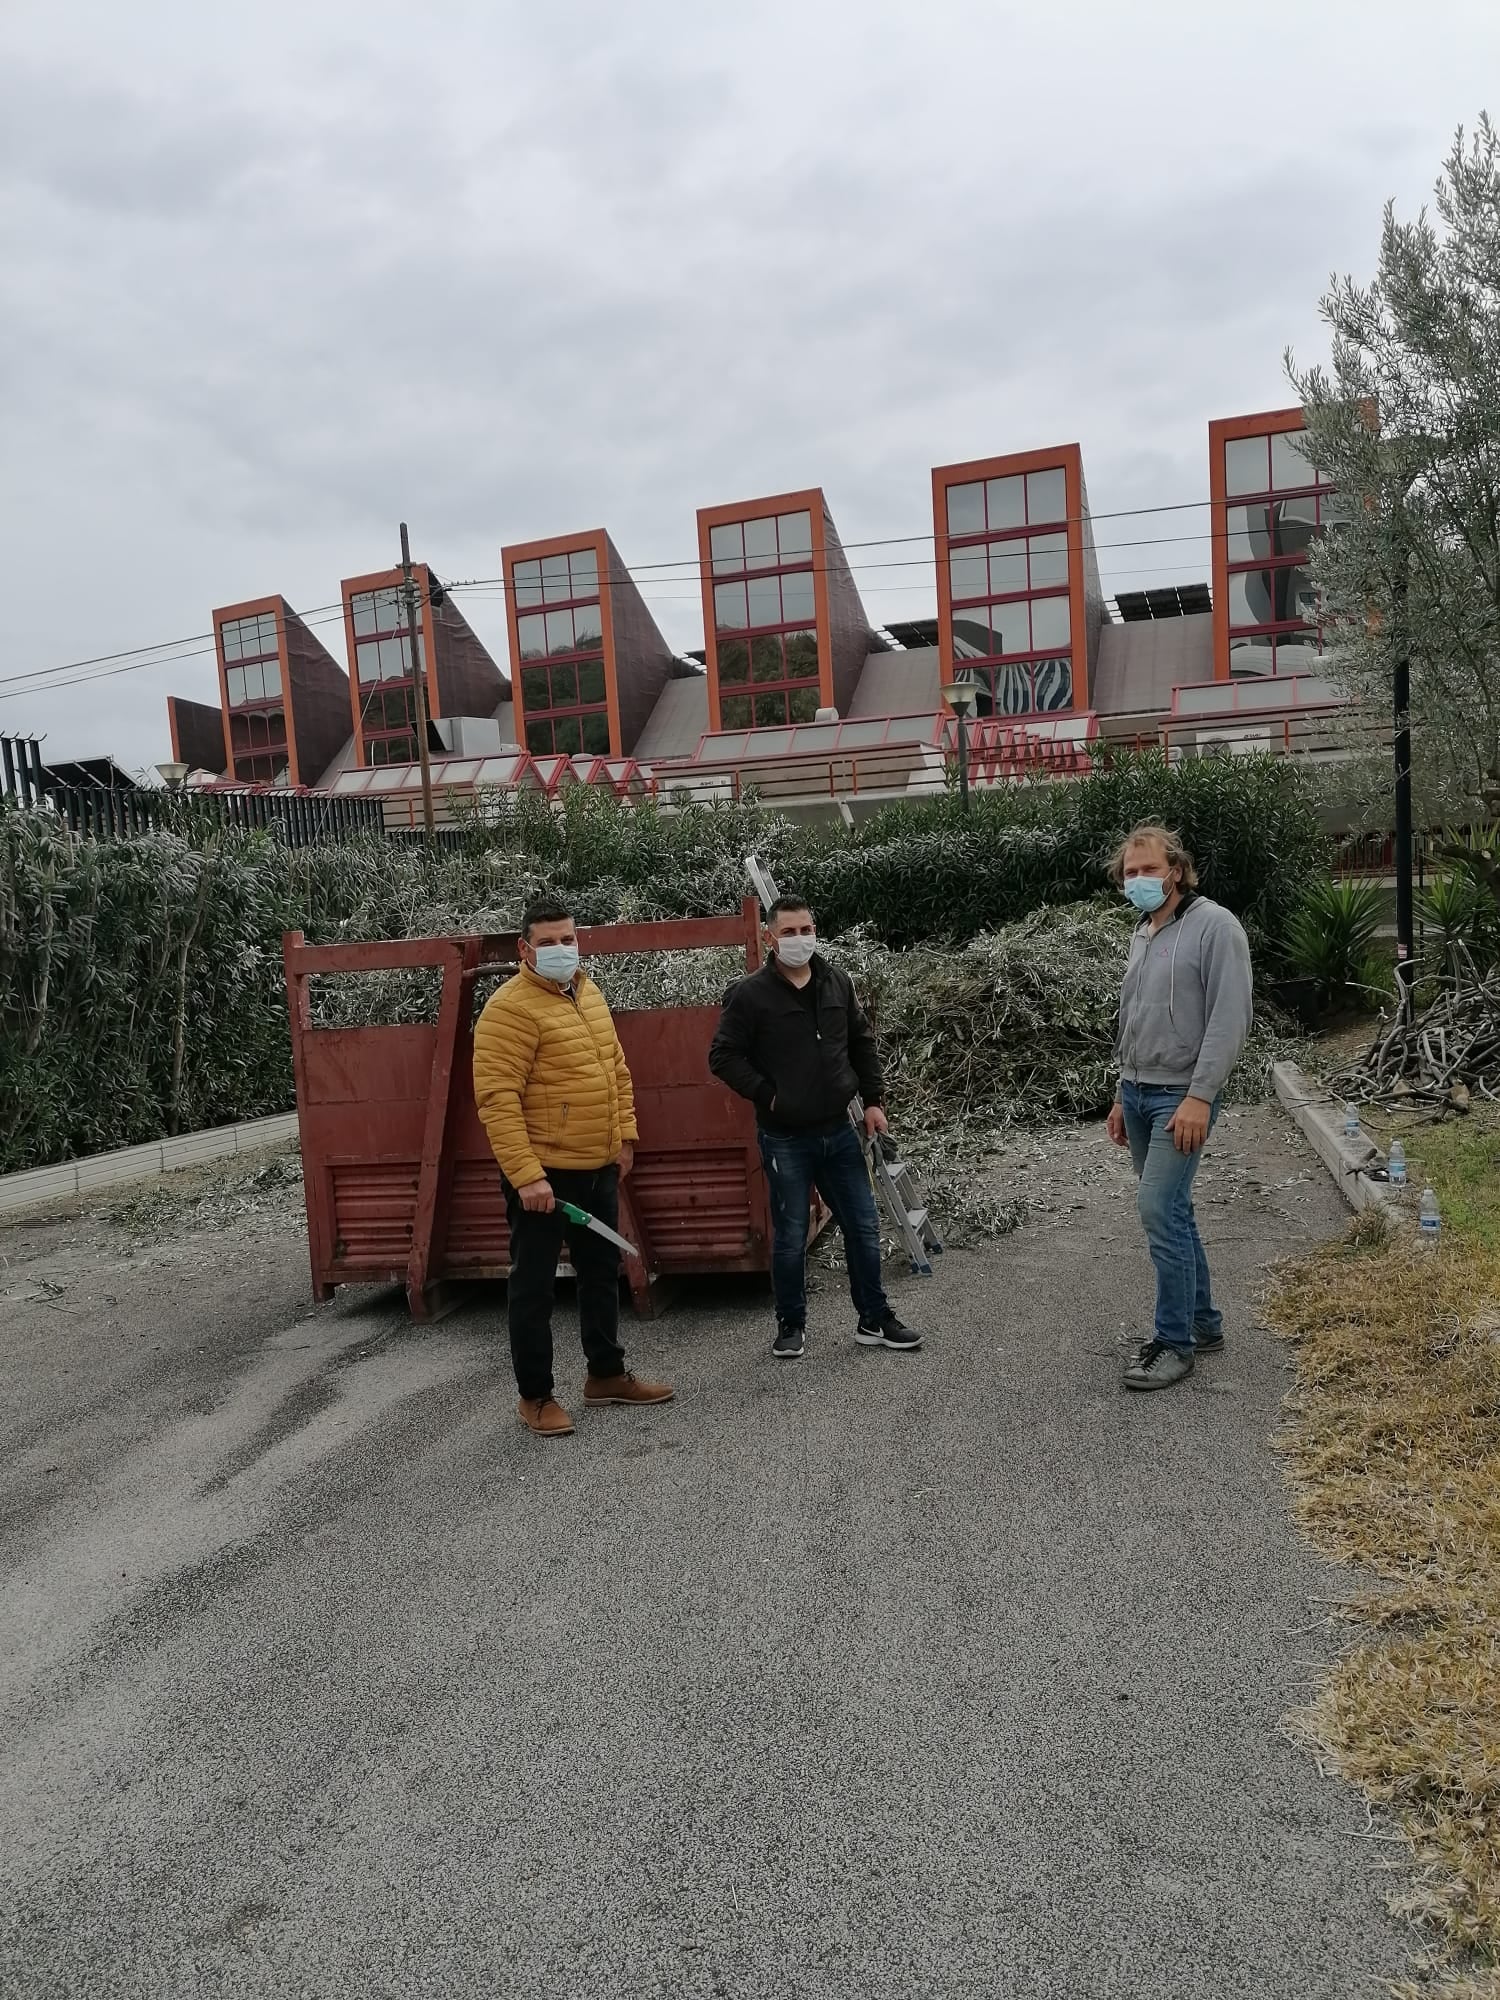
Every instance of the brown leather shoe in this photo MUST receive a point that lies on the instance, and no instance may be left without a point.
(625, 1388)
(545, 1417)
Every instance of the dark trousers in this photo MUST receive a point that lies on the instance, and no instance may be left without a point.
(535, 1244)
(834, 1164)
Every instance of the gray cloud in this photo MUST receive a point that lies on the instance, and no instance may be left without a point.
(274, 283)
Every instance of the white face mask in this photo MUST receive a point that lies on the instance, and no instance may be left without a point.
(796, 951)
(557, 962)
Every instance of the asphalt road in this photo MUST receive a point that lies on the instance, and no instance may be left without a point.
(875, 1675)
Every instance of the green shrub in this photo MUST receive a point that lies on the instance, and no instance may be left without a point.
(1457, 919)
(1331, 941)
(141, 985)
(1457, 911)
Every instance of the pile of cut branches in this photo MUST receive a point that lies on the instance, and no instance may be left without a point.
(1447, 1054)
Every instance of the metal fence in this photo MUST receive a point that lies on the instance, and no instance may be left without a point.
(101, 812)
(1374, 855)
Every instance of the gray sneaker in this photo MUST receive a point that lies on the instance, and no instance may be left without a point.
(1158, 1366)
(1205, 1342)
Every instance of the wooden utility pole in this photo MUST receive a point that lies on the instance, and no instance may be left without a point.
(418, 678)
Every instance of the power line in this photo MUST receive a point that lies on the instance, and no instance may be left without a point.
(166, 653)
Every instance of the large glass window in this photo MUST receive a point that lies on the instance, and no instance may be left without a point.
(765, 620)
(1008, 588)
(252, 684)
(382, 665)
(560, 638)
(250, 638)
(1279, 505)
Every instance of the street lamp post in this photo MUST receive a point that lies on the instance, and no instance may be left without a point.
(961, 698)
(1406, 966)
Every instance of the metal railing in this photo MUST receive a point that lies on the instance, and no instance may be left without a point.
(100, 812)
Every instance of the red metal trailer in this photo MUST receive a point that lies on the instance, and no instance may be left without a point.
(401, 1185)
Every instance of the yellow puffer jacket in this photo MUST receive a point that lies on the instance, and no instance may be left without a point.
(550, 1079)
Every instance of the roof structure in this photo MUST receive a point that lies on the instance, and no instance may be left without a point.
(1142, 662)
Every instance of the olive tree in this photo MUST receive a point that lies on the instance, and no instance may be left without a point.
(1406, 420)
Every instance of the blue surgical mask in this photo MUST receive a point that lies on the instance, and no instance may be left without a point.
(1146, 892)
(557, 962)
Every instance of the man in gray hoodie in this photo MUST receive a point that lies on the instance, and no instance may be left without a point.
(1185, 1011)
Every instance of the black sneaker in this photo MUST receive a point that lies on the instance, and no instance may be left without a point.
(887, 1331)
(789, 1342)
(1158, 1366)
(1205, 1342)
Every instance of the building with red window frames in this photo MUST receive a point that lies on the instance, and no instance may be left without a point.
(799, 690)
(1020, 607)
(589, 660)
(1270, 504)
(785, 631)
(460, 676)
(285, 698)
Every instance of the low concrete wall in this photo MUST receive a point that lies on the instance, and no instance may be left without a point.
(1321, 1123)
(142, 1163)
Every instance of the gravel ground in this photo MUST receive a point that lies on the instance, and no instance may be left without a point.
(877, 1675)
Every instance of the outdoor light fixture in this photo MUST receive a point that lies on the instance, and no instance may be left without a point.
(962, 699)
(173, 776)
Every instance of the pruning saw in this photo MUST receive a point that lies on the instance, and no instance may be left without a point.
(586, 1221)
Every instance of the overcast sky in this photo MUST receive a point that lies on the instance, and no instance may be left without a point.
(276, 277)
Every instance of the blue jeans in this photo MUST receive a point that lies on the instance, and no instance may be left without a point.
(1184, 1297)
(834, 1164)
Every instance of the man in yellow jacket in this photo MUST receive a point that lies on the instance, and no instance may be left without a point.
(552, 1088)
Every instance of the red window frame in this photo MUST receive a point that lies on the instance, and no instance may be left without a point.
(983, 669)
(540, 721)
(387, 742)
(753, 702)
(258, 756)
(1277, 564)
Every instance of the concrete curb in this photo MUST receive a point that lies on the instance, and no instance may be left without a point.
(1321, 1123)
(141, 1163)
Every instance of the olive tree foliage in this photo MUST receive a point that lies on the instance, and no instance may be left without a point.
(1406, 420)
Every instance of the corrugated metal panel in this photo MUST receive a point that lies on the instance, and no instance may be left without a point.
(477, 1232)
(374, 1207)
(694, 1205)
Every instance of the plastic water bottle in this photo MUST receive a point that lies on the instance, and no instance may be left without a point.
(1351, 1120)
(1395, 1164)
(1431, 1220)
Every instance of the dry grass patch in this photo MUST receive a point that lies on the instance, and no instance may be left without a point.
(1394, 1439)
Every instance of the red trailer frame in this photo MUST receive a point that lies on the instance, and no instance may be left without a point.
(400, 1183)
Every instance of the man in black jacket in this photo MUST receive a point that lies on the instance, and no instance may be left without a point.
(794, 1040)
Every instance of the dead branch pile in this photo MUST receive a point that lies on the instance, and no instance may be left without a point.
(1446, 1055)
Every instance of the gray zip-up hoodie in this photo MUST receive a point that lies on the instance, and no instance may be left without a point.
(1186, 1003)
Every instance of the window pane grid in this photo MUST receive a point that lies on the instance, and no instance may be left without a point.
(248, 639)
(1008, 505)
(768, 707)
(1280, 505)
(583, 731)
(768, 542)
(254, 683)
(259, 770)
(570, 578)
(380, 614)
(1017, 566)
(768, 674)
